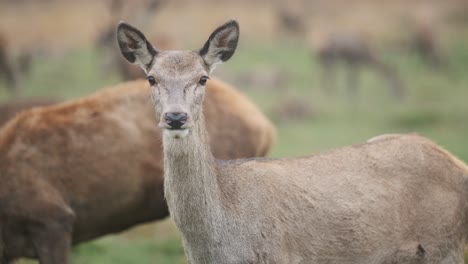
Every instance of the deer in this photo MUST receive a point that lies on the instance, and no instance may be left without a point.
(7, 69)
(393, 200)
(425, 43)
(291, 17)
(78, 170)
(355, 52)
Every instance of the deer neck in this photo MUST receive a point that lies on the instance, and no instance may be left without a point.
(191, 186)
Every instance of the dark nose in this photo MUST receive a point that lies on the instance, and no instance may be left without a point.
(176, 120)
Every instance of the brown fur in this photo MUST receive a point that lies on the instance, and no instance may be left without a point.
(93, 166)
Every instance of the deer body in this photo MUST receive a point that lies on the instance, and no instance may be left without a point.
(357, 204)
(396, 199)
(79, 170)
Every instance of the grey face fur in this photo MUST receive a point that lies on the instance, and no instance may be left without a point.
(178, 78)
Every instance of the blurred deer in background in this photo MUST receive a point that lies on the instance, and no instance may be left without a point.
(426, 43)
(78, 170)
(291, 16)
(106, 43)
(14, 66)
(354, 52)
(290, 21)
(8, 70)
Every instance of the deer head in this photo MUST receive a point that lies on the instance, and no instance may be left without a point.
(178, 78)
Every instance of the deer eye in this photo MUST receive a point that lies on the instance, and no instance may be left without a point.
(151, 80)
(203, 80)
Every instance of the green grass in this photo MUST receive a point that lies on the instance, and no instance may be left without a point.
(122, 251)
(436, 106)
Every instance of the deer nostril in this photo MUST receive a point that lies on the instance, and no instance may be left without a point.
(176, 116)
(175, 119)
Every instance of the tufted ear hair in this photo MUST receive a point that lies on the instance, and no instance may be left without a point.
(134, 46)
(221, 44)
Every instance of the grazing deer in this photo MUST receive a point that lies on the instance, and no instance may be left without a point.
(82, 169)
(396, 200)
(355, 53)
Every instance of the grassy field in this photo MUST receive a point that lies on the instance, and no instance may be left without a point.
(436, 106)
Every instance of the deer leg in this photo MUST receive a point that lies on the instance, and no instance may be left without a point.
(52, 243)
(353, 79)
(399, 89)
(12, 80)
(9, 74)
(4, 259)
(395, 84)
(52, 237)
(7, 260)
(328, 79)
(3, 67)
(2, 247)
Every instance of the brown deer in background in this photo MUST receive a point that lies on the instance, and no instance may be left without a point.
(82, 169)
(355, 53)
(397, 199)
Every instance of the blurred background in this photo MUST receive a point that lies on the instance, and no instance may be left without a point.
(327, 72)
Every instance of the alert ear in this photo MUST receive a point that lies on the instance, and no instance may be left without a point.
(221, 44)
(134, 46)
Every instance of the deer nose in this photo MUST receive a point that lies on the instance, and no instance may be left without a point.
(176, 120)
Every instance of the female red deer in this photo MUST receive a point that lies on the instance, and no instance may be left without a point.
(82, 169)
(397, 199)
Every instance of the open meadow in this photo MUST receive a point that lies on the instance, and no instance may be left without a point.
(279, 71)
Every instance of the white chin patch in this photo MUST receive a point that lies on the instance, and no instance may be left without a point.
(179, 133)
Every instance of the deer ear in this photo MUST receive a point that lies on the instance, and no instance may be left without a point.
(134, 46)
(221, 44)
